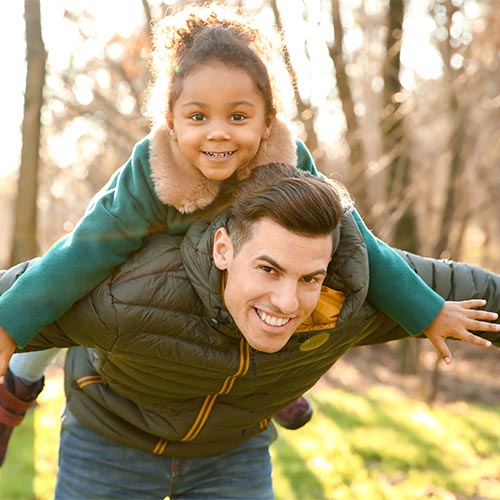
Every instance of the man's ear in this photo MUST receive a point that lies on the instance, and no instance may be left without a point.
(223, 249)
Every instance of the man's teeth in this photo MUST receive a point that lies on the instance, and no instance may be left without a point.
(219, 155)
(272, 320)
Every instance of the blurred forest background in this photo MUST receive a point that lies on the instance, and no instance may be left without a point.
(397, 99)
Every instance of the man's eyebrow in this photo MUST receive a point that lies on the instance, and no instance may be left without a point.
(280, 268)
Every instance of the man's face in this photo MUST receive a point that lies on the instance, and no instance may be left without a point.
(274, 281)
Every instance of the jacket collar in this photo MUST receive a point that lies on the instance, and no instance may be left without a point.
(179, 184)
(196, 254)
(349, 271)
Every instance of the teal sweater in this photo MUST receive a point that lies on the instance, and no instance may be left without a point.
(127, 210)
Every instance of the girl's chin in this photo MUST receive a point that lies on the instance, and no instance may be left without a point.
(214, 174)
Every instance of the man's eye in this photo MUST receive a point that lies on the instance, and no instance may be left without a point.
(198, 117)
(310, 279)
(238, 117)
(267, 269)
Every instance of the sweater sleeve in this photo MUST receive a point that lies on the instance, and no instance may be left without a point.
(393, 286)
(114, 225)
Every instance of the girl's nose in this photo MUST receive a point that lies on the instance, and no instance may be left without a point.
(218, 133)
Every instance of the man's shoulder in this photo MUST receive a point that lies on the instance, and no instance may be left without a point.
(159, 254)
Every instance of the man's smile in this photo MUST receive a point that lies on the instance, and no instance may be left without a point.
(272, 320)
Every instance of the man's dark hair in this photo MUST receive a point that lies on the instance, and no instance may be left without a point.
(294, 199)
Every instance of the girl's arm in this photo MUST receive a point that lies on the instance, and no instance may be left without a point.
(446, 325)
(115, 224)
(394, 288)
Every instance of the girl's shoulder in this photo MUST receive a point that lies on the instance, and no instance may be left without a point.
(142, 148)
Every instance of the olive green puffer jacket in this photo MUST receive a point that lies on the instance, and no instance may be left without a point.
(162, 367)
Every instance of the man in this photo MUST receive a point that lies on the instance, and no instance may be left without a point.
(182, 357)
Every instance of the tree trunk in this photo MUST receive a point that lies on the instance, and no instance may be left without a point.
(305, 113)
(443, 246)
(399, 168)
(25, 218)
(357, 182)
(393, 128)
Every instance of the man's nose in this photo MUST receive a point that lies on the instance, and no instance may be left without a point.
(285, 297)
(218, 132)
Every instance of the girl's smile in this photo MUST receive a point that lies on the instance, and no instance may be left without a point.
(217, 155)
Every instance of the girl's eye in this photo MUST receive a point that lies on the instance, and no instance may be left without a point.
(198, 117)
(238, 117)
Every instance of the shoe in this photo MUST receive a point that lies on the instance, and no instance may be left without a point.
(295, 415)
(15, 399)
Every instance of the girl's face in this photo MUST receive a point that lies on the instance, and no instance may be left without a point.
(219, 120)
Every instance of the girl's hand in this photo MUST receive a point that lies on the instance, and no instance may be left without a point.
(7, 349)
(455, 320)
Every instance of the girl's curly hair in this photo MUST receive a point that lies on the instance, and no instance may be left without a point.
(200, 35)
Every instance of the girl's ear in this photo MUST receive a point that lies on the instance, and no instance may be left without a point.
(170, 125)
(223, 249)
(268, 127)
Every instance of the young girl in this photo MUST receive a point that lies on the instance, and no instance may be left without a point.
(218, 118)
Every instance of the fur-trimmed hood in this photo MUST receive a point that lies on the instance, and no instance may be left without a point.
(179, 184)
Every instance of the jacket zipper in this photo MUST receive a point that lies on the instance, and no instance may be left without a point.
(253, 366)
(227, 386)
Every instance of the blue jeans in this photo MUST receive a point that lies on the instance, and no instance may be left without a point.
(94, 467)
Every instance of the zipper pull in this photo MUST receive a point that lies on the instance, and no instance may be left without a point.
(253, 367)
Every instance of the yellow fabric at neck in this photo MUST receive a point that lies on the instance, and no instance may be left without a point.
(327, 310)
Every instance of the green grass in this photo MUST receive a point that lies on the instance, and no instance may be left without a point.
(383, 445)
(373, 446)
(30, 468)
(18, 471)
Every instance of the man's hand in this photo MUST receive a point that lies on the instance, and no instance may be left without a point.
(455, 320)
(7, 348)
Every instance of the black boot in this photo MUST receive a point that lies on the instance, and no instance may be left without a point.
(295, 415)
(15, 399)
